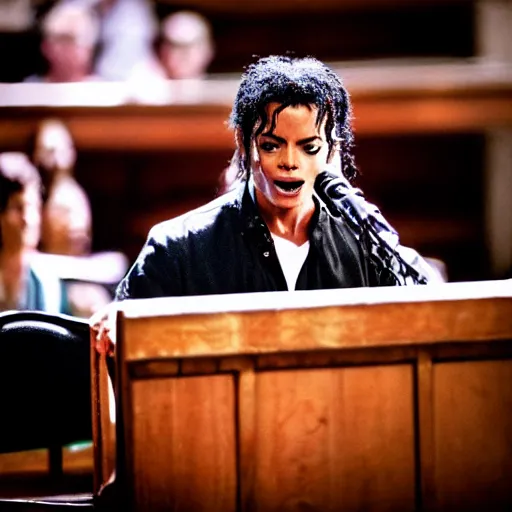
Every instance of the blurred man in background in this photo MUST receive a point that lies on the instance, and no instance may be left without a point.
(69, 35)
(186, 45)
(67, 212)
(184, 50)
(66, 239)
(128, 30)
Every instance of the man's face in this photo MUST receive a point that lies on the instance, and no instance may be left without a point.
(54, 149)
(185, 60)
(20, 223)
(286, 161)
(67, 55)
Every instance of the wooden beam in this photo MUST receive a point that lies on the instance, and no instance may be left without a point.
(251, 6)
(387, 99)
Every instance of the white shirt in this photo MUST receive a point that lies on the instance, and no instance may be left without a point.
(291, 258)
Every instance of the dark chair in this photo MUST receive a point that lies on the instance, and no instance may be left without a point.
(45, 383)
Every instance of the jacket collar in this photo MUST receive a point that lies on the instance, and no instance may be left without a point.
(253, 223)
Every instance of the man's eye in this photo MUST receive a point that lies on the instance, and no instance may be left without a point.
(268, 146)
(311, 149)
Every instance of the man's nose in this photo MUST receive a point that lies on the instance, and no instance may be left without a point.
(288, 162)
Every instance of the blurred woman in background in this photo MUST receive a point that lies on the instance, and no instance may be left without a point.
(24, 285)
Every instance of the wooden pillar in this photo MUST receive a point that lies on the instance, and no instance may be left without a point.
(494, 44)
(493, 36)
(498, 174)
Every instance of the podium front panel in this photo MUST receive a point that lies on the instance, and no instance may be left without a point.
(378, 400)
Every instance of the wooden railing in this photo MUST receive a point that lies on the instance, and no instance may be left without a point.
(389, 97)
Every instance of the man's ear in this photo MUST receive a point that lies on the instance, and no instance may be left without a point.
(239, 142)
(242, 153)
(334, 153)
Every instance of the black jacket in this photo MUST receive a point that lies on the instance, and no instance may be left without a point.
(225, 247)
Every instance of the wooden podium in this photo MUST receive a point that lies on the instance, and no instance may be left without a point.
(359, 399)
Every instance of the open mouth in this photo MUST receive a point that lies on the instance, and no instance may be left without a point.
(289, 187)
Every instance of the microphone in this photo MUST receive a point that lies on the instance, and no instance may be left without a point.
(369, 226)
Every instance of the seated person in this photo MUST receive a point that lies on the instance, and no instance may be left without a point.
(184, 51)
(66, 238)
(24, 284)
(69, 36)
(128, 30)
(67, 223)
(67, 218)
(186, 45)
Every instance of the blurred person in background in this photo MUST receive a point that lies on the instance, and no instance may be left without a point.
(67, 218)
(67, 221)
(184, 50)
(128, 30)
(24, 284)
(186, 47)
(69, 33)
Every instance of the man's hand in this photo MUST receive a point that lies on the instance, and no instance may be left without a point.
(103, 324)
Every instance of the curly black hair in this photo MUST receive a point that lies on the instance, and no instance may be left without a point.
(16, 174)
(292, 81)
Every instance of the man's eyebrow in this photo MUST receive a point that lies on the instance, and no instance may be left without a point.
(275, 137)
(307, 140)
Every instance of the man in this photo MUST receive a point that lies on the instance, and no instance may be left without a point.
(186, 45)
(287, 224)
(185, 49)
(69, 36)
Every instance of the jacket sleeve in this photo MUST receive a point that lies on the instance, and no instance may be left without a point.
(415, 260)
(155, 273)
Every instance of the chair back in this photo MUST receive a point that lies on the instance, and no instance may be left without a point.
(45, 380)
